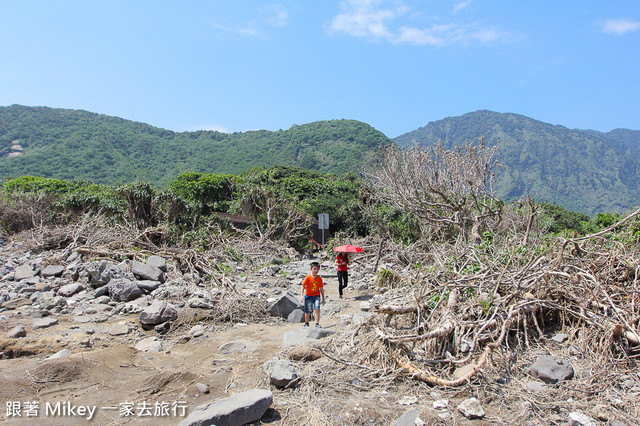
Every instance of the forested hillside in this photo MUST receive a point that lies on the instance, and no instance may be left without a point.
(582, 170)
(71, 144)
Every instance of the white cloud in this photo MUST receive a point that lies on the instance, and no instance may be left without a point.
(364, 18)
(375, 19)
(249, 30)
(620, 26)
(275, 15)
(459, 6)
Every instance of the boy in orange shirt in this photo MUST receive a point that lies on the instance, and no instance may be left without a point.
(312, 289)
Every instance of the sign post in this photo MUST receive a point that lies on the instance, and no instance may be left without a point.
(323, 223)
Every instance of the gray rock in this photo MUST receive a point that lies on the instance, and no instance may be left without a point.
(132, 308)
(119, 330)
(73, 257)
(102, 291)
(158, 262)
(202, 388)
(536, 386)
(16, 332)
(70, 289)
(47, 301)
(201, 303)
(579, 419)
(16, 303)
(160, 311)
(302, 335)
(560, 338)
(296, 316)
(147, 272)
(196, 331)
(282, 373)
(550, 369)
(109, 271)
(284, 305)
(100, 273)
(440, 404)
(408, 418)
(148, 286)
(123, 290)
(23, 272)
(239, 409)
(43, 322)
(471, 408)
(65, 353)
(241, 346)
(150, 344)
(27, 291)
(52, 271)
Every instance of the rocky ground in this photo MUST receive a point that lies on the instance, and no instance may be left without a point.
(85, 339)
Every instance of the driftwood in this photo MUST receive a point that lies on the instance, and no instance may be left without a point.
(590, 290)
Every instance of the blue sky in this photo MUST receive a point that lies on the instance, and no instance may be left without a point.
(244, 65)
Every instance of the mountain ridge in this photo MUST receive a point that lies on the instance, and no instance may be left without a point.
(76, 144)
(582, 170)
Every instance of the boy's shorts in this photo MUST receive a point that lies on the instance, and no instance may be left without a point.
(311, 303)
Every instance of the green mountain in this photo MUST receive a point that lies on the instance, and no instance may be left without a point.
(70, 144)
(581, 170)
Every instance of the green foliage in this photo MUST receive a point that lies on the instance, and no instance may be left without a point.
(233, 254)
(139, 200)
(207, 190)
(604, 220)
(401, 226)
(36, 184)
(313, 193)
(91, 198)
(388, 278)
(559, 219)
(435, 298)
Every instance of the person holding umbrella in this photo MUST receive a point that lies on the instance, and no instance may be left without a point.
(343, 262)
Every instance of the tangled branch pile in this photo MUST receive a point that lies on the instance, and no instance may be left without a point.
(468, 317)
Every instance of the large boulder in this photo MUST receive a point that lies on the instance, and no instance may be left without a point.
(123, 290)
(23, 272)
(158, 262)
(282, 372)
(285, 305)
(43, 322)
(296, 316)
(52, 271)
(239, 409)
(100, 273)
(147, 285)
(147, 272)
(159, 312)
(69, 290)
(16, 332)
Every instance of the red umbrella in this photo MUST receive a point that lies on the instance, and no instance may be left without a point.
(348, 248)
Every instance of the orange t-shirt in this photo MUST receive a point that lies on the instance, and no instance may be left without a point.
(312, 285)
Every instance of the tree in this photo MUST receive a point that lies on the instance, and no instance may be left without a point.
(448, 189)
